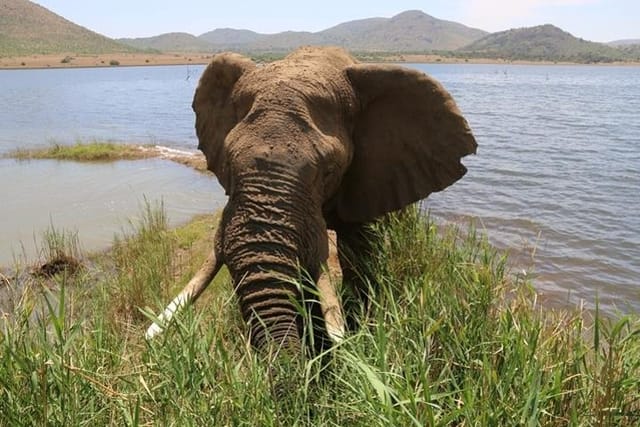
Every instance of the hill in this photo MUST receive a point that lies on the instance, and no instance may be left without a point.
(624, 42)
(630, 48)
(229, 38)
(27, 28)
(631, 51)
(544, 42)
(169, 42)
(411, 31)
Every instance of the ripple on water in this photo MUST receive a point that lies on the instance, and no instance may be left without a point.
(557, 172)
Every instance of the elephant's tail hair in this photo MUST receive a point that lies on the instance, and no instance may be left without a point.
(188, 295)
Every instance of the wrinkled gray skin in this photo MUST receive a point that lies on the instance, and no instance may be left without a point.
(314, 141)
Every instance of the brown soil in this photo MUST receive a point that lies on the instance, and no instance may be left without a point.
(70, 60)
(60, 264)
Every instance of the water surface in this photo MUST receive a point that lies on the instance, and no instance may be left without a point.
(96, 201)
(556, 180)
(557, 175)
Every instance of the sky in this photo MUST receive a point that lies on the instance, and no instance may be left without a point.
(595, 20)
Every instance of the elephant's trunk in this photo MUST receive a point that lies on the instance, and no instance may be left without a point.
(273, 236)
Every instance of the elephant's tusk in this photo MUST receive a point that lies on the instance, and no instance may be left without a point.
(329, 301)
(331, 307)
(188, 295)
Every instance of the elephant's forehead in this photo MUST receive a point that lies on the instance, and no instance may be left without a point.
(304, 77)
(309, 78)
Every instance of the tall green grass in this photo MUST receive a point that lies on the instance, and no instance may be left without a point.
(91, 151)
(452, 339)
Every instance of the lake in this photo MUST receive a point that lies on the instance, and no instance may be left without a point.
(140, 105)
(556, 180)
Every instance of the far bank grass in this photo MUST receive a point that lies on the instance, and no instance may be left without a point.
(92, 151)
(100, 151)
(453, 340)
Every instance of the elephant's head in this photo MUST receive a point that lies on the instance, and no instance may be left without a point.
(311, 142)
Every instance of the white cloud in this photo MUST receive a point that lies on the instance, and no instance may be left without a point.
(496, 15)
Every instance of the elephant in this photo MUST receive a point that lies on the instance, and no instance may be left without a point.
(313, 142)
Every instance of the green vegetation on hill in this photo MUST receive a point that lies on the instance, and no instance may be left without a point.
(27, 28)
(452, 340)
(541, 43)
(631, 51)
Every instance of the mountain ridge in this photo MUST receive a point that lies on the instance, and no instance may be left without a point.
(27, 28)
(411, 30)
(168, 42)
(541, 42)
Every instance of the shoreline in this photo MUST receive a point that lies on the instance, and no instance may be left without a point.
(114, 152)
(97, 152)
(71, 60)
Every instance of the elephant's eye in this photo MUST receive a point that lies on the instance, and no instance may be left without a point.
(242, 104)
(242, 111)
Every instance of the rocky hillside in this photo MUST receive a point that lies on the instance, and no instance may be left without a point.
(411, 31)
(27, 28)
(544, 42)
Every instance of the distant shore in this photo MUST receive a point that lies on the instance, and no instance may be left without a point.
(70, 60)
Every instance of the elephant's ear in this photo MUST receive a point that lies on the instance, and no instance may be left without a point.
(215, 112)
(409, 138)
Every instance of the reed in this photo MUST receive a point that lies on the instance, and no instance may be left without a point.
(453, 339)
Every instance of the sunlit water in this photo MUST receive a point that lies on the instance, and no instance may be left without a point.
(137, 105)
(556, 177)
(96, 201)
(557, 174)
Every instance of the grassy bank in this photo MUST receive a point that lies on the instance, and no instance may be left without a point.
(453, 340)
(101, 151)
(92, 151)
